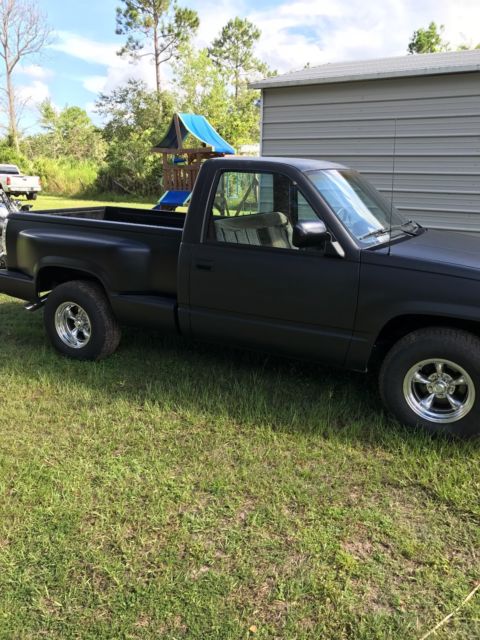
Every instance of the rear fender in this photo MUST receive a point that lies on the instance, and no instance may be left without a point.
(119, 264)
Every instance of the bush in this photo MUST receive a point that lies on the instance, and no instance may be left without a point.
(65, 177)
(8, 155)
(131, 167)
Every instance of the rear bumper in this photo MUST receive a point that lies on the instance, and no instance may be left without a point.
(14, 189)
(17, 285)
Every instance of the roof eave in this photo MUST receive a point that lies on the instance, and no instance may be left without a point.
(265, 84)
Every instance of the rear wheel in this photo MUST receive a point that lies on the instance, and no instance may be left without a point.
(32, 196)
(79, 321)
(431, 379)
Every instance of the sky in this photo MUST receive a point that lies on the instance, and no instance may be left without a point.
(82, 59)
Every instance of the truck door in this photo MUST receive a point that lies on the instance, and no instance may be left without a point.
(250, 286)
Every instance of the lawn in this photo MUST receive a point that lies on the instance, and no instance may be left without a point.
(187, 491)
(45, 201)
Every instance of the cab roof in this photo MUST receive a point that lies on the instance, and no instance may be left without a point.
(302, 164)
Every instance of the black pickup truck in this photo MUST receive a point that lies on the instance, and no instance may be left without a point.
(298, 257)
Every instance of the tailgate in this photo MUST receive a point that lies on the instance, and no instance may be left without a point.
(23, 182)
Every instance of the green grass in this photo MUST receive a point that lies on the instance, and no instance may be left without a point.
(181, 491)
(45, 201)
(187, 491)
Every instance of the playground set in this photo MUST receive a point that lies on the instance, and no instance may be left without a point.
(181, 165)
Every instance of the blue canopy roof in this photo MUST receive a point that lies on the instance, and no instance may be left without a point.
(200, 128)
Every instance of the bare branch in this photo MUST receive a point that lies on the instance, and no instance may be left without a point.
(23, 32)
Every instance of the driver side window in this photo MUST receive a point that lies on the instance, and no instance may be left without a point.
(257, 209)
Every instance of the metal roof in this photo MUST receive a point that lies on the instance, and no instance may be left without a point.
(425, 64)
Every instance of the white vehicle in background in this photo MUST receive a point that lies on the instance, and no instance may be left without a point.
(14, 183)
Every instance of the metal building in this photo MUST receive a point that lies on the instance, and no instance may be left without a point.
(412, 122)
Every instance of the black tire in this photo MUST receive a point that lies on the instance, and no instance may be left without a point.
(403, 392)
(103, 330)
(31, 196)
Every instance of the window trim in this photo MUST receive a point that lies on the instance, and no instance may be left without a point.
(211, 197)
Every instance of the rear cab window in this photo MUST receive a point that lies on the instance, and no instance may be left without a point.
(9, 169)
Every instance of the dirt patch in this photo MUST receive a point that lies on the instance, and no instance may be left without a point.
(359, 549)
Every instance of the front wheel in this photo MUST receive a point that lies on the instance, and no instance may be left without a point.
(431, 379)
(79, 321)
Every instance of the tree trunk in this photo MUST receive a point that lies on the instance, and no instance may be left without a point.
(156, 47)
(12, 116)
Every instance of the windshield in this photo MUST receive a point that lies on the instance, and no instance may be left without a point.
(358, 205)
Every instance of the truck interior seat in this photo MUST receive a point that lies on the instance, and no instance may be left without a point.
(263, 229)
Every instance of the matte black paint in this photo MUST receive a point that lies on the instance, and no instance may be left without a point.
(113, 245)
(160, 270)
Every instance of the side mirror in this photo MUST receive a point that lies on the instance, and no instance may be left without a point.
(310, 234)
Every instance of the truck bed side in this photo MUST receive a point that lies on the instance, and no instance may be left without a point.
(132, 253)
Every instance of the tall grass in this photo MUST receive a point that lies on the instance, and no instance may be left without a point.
(8, 155)
(66, 177)
(59, 176)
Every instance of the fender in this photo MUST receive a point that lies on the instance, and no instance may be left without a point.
(117, 263)
(406, 319)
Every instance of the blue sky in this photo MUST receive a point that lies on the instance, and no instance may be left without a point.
(82, 58)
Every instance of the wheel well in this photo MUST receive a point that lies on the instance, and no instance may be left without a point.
(398, 327)
(50, 277)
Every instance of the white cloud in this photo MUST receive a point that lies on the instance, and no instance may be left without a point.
(92, 51)
(35, 71)
(352, 29)
(119, 74)
(90, 108)
(95, 84)
(118, 69)
(305, 9)
(215, 15)
(28, 94)
(33, 93)
(462, 22)
(296, 32)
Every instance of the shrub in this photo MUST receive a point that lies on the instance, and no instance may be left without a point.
(65, 177)
(8, 155)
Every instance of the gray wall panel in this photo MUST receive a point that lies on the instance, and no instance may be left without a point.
(428, 183)
(423, 127)
(436, 122)
(327, 147)
(375, 90)
(384, 110)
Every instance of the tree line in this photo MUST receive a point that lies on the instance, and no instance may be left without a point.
(72, 154)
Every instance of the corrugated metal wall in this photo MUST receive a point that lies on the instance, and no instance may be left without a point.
(437, 145)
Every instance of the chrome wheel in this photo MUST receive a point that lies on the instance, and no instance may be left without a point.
(72, 325)
(439, 390)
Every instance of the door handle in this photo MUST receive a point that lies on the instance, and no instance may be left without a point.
(204, 265)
